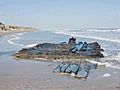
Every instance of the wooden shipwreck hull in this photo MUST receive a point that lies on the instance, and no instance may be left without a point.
(70, 50)
(77, 70)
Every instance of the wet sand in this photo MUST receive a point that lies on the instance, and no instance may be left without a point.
(38, 75)
(2, 33)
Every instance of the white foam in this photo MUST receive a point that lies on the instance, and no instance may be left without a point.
(21, 33)
(72, 74)
(30, 45)
(113, 66)
(98, 30)
(95, 62)
(106, 64)
(15, 37)
(106, 75)
(91, 37)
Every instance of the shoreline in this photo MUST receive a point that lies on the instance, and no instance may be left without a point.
(3, 33)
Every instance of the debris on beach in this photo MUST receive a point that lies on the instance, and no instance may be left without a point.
(77, 70)
(70, 50)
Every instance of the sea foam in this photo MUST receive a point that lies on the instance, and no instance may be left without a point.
(106, 75)
(16, 37)
(30, 45)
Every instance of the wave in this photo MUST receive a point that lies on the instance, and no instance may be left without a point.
(103, 30)
(83, 36)
(30, 45)
(18, 36)
(15, 37)
(106, 64)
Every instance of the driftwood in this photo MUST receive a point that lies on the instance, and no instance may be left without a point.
(78, 70)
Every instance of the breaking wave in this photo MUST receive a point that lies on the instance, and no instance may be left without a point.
(30, 45)
(18, 36)
(15, 37)
(76, 34)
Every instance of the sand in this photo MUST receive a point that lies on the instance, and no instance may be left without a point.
(14, 31)
(36, 75)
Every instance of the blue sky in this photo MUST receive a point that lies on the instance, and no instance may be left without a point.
(60, 14)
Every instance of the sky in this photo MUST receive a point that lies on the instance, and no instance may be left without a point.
(61, 14)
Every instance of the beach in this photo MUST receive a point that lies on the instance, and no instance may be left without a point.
(2, 33)
(38, 75)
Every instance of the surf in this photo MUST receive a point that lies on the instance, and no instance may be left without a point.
(15, 37)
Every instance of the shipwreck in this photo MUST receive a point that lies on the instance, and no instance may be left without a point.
(70, 50)
(78, 70)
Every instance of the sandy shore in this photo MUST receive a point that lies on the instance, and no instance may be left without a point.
(36, 75)
(15, 31)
